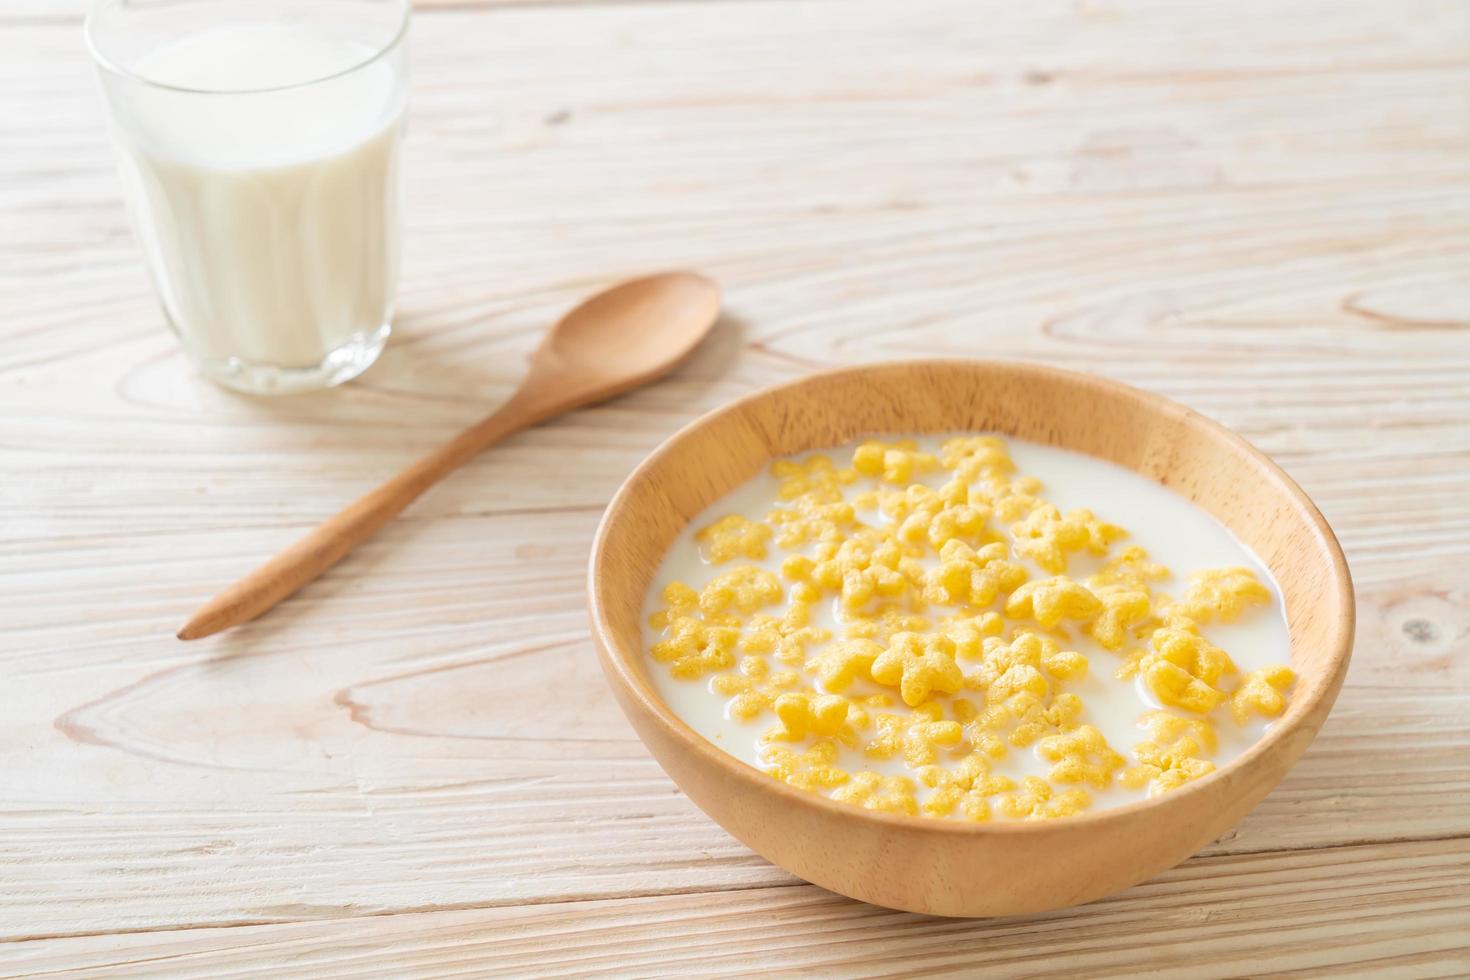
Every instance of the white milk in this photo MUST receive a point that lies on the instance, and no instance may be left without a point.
(269, 219)
(1173, 531)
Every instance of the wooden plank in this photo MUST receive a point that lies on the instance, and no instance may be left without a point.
(1399, 910)
(1264, 213)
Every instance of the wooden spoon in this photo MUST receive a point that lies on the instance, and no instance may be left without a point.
(612, 343)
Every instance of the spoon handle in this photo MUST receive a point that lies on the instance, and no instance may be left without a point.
(330, 541)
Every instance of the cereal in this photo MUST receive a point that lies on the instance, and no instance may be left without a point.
(1049, 601)
(1171, 756)
(918, 665)
(872, 791)
(1123, 610)
(1261, 693)
(1222, 593)
(740, 590)
(1026, 717)
(733, 536)
(917, 737)
(813, 769)
(967, 576)
(1037, 800)
(843, 662)
(1046, 537)
(967, 788)
(802, 715)
(914, 627)
(1081, 755)
(894, 463)
(693, 648)
(787, 637)
(1183, 667)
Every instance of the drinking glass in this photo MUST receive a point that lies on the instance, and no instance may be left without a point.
(259, 150)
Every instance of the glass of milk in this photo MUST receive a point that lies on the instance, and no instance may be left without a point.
(259, 148)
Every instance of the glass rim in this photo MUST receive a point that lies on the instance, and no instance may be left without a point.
(106, 64)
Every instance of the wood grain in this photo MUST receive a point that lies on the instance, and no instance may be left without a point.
(1336, 912)
(1261, 210)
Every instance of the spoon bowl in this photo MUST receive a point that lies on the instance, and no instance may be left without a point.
(619, 339)
(640, 326)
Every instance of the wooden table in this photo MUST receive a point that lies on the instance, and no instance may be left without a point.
(1261, 209)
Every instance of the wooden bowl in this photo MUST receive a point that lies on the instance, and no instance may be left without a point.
(950, 867)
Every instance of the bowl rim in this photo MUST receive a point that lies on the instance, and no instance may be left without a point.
(653, 706)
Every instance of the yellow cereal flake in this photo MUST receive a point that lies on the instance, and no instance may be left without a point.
(819, 522)
(748, 696)
(933, 522)
(1046, 537)
(872, 791)
(1163, 771)
(1221, 593)
(814, 478)
(693, 649)
(1261, 692)
(1130, 570)
(1051, 600)
(999, 659)
(841, 663)
(679, 601)
(1014, 500)
(787, 637)
(959, 523)
(971, 457)
(896, 462)
(972, 721)
(1165, 726)
(804, 714)
(1020, 679)
(864, 568)
(885, 624)
(1081, 755)
(1066, 665)
(754, 689)
(743, 589)
(1181, 643)
(1171, 756)
(733, 536)
(969, 633)
(967, 576)
(900, 505)
(814, 769)
(1123, 611)
(1182, 668)
(1024, 717)
(1132, 662)
(805, 592)
(797, 568)
(966, 789)
(1173, 685)
(932, 599)
(1036, 800)
(1032, 649)
(918, 665)
(917, 737)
